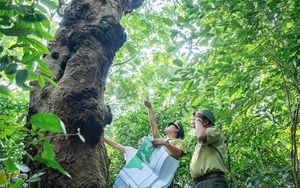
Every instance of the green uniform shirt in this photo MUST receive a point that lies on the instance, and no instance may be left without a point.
(177, 142)
(209, 157)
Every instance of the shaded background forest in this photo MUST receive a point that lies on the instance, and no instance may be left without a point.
(238, 58)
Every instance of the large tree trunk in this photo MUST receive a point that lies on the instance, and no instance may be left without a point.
(86, 42)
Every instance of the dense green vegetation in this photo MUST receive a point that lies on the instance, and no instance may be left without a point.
(238, 58)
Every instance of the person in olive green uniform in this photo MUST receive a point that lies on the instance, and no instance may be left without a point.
(174, 143)
(207, 166)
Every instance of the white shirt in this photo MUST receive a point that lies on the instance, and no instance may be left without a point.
(129, 153)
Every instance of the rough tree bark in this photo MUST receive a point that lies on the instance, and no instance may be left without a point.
(85, 45)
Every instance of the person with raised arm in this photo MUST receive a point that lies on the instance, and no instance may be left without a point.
(129, 152)
(173, 143)
(207, 165)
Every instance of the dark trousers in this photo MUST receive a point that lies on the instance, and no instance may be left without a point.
(215, 182)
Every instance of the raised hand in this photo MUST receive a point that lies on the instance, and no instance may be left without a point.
(147, 103)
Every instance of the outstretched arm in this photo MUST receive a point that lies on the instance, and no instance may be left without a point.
(115, 145)
(151, 117)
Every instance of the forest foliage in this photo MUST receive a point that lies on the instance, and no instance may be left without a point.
(237, 58)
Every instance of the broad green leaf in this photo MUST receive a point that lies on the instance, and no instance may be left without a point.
(9, 7)
(30, 18)
(4, 62)
(3, 179)
(43, 19)
(52, 164)
(47, 121)
(38, 29)
(171, 49)
(29, 58)
(21, 77)
(10, 166)
(10, 130)
(4, 90)
(48, 36)
(32, 76)
(205, 30)
(16, 32)
(181, 19)
(178, 62)
(5, 23)
(48, 153)
(168, 21)
(39, 45)
(12, 68)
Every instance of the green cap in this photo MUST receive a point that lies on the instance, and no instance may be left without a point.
(178, 125)
(209, 115)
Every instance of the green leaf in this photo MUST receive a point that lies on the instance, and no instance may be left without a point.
(41, 80)
(4, 62)
(18, 184)
(41, 8)
(12, 68)
(22, 167)
(39, 46)
(48, 153)
(26, 87)
(48, 36)
(3, 179)
(18, 45)
(43, 19)
(30, 58)
(35, 177)
(175, 79)
(49, 4)
(11, 166)
(4, 90)
(51, 81)
(38, 29)
(178, 62)
(171, 49)
(48, 122)
(205, 30)
(180, 19)
(51, 163)
(30, 18)
(168, 21)
(21, 77)
(44, 68)
(32, 76)
(8, 7)
(16, 32)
